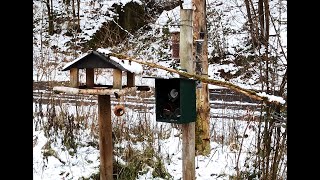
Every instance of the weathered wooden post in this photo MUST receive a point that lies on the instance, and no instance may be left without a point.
(131, 79)
(117, 79)
(89, 77)
(74, 77)
(188, 130)
(105, 137)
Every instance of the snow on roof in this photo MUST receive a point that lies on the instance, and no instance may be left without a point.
(123, 64)
(127, 64)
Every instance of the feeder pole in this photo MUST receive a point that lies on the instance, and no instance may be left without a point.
(105, 137)
(186, 60)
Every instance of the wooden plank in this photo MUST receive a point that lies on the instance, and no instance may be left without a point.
(90, 77)
(117, 79)
(96, 86)
(188, 129)
(130, 79)
(105, 137)
(74, 77)
(120, 92)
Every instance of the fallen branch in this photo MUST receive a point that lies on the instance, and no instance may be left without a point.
(249, 93)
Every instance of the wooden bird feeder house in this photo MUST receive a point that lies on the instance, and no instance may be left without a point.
(90, 61)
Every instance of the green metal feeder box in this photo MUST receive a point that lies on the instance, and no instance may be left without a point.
(175, 100)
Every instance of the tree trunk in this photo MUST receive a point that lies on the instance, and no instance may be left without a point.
(203, 109)
(78, 11)
(50, 17)
(265, 41)
(252, 27)
(261, 20)
(73, 11)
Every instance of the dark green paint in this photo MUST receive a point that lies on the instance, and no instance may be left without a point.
(185, 103)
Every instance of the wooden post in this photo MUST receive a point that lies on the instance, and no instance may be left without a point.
(105, 137)
(201, 57)
(188, 130)
(117, 79)
(90, 77)
(74, 77)
(186, 40)
(130, 79)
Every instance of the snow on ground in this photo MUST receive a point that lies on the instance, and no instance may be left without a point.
(219, 164)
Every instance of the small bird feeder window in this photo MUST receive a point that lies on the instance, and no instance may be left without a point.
(175, 100)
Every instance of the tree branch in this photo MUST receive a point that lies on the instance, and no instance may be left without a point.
(249, 93)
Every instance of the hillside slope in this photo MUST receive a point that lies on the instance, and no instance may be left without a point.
(231, 56)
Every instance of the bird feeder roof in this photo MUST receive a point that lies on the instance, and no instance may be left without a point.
(94, 59)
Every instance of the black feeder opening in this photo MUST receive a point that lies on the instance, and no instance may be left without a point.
(175, 100)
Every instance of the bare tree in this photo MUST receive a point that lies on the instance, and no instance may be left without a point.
(50, 16)
(271, 141)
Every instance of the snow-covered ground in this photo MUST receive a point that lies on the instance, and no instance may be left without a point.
(224, 156)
